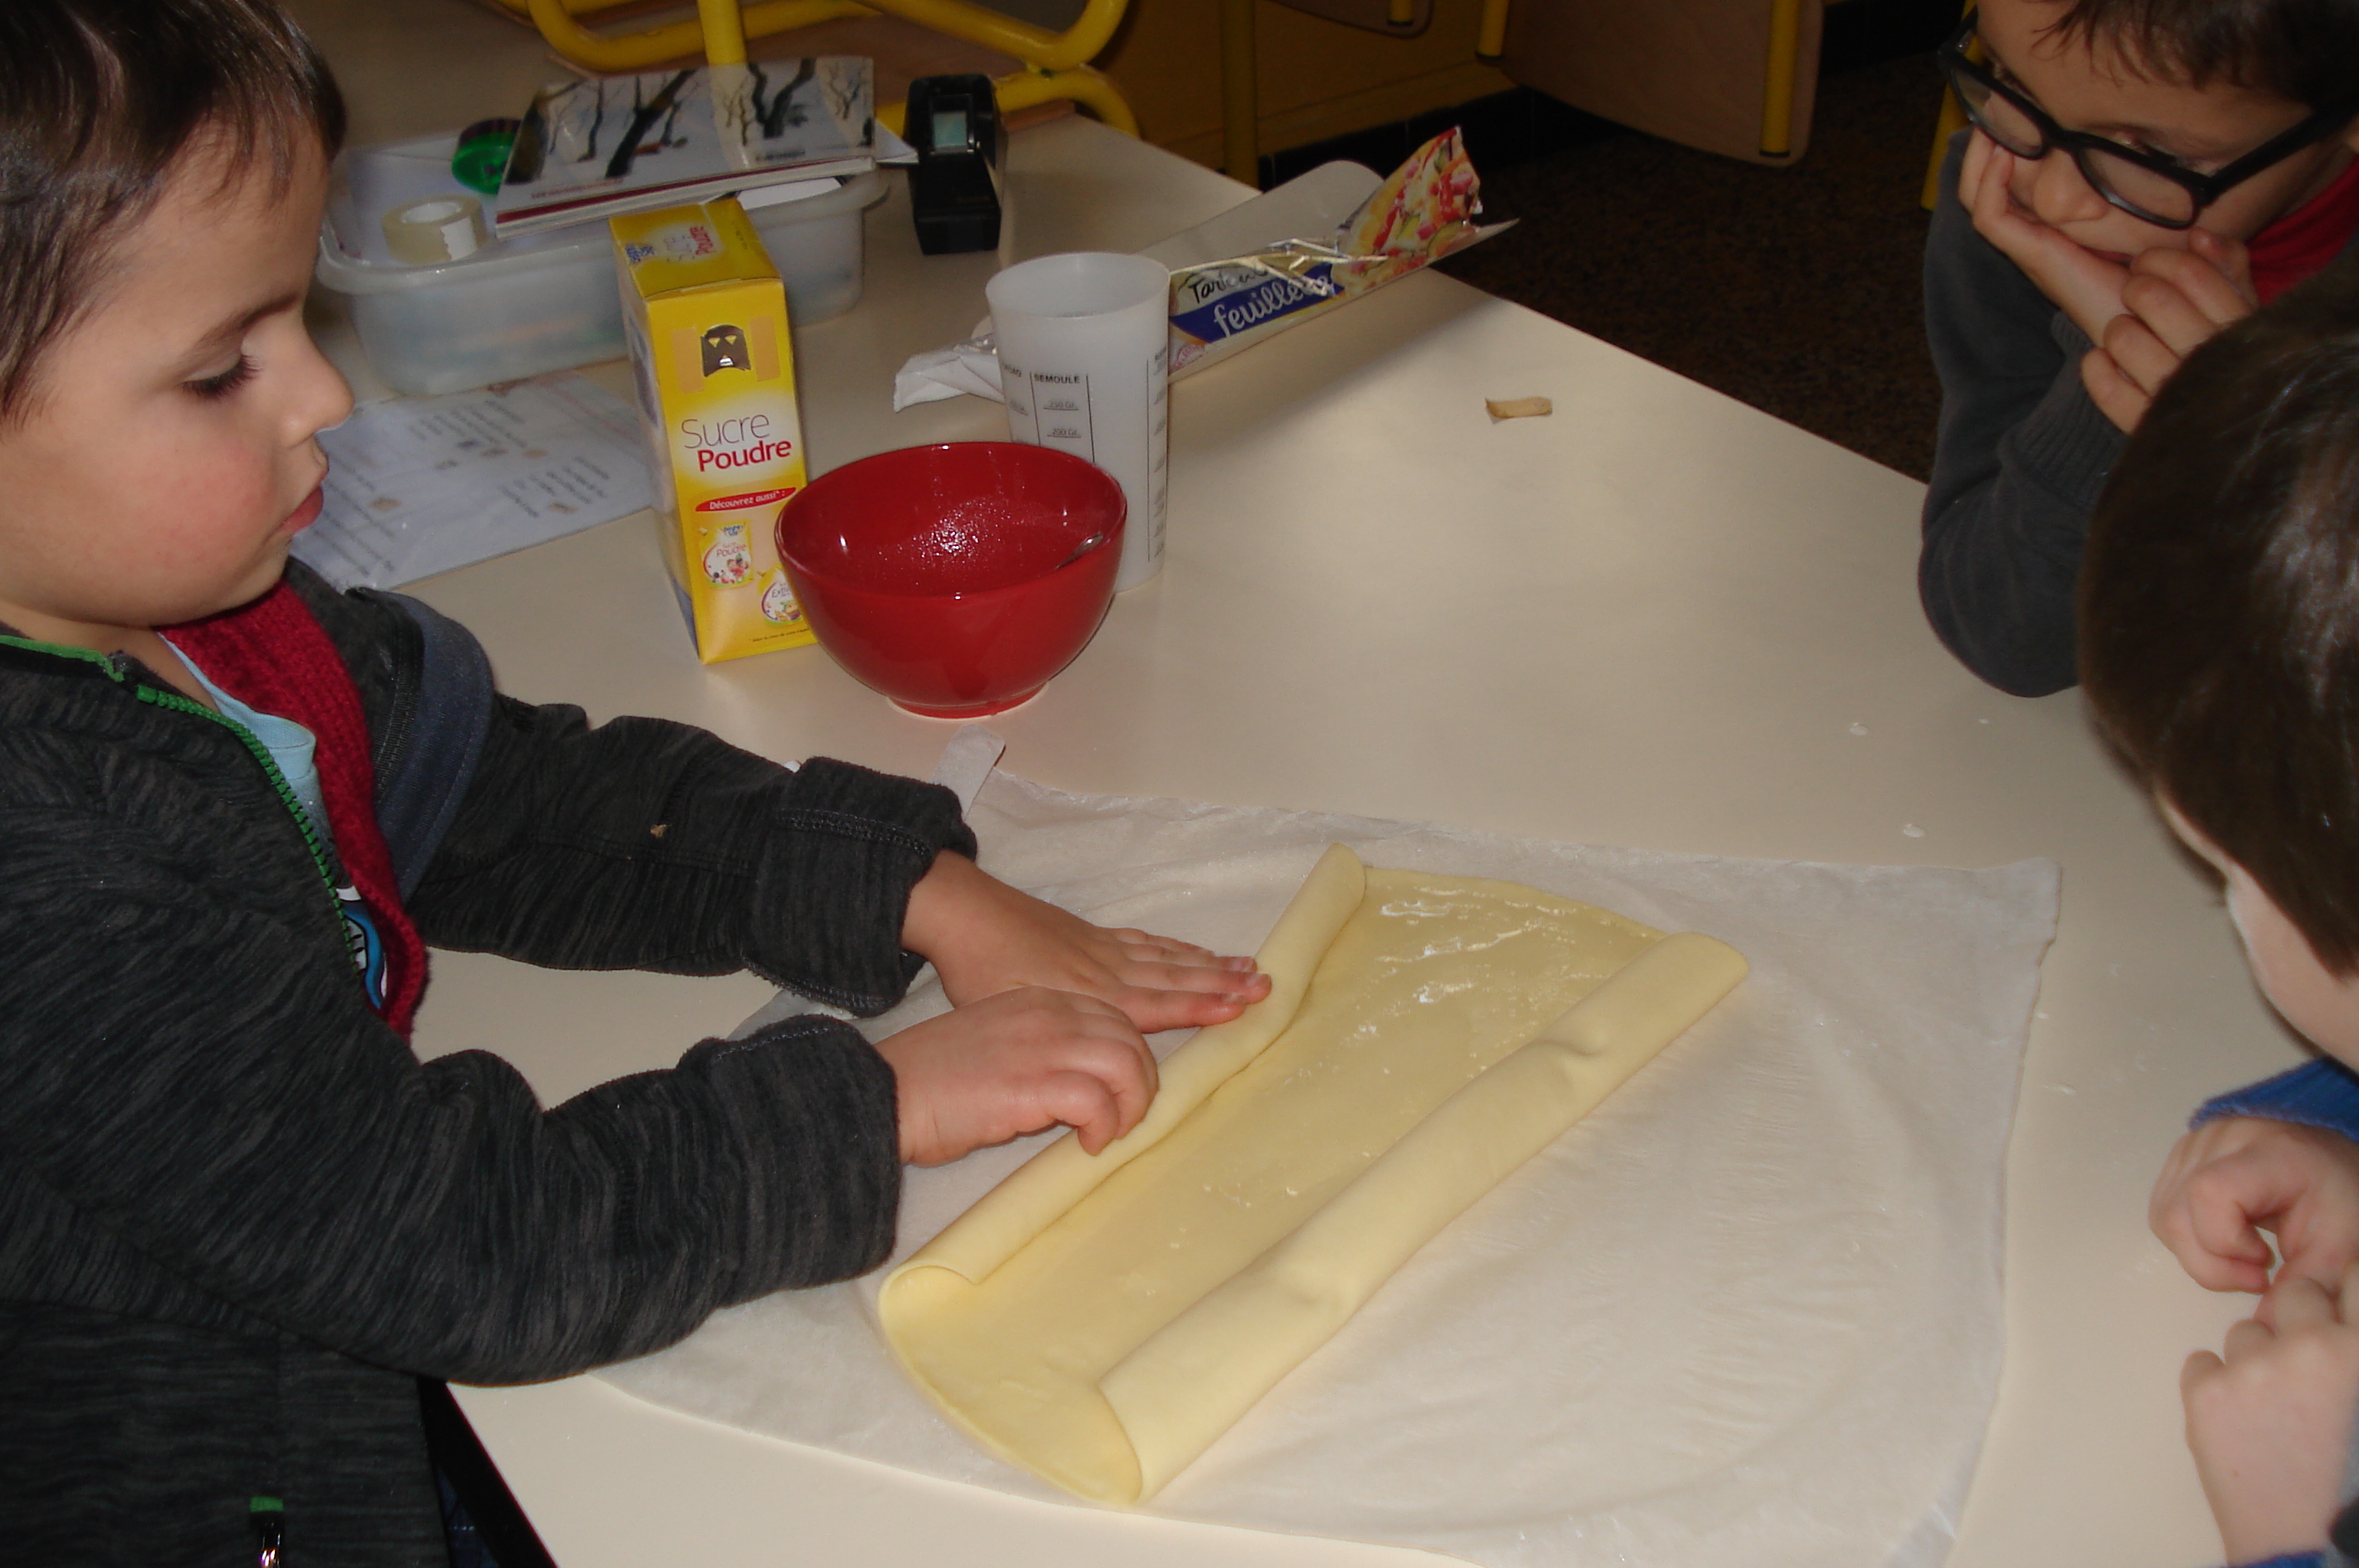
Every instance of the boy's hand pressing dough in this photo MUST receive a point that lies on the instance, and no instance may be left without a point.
(2231, 1179)
(985, 936)
(1014, 1063)
(2269, 1425)
(2084, 285)
(2173, 301)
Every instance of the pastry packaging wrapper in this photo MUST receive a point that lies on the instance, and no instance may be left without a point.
(705, 315)
(1424, 212)
(1746, 1313)
(1308, 247)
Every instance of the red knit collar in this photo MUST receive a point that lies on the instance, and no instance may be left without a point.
(2301, 243)
(274, 656)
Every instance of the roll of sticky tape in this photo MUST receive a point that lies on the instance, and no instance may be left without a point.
(441, 228)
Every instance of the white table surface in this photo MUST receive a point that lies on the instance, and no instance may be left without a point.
(1657, 618)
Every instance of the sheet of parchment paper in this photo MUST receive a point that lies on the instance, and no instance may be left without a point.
(1745, 1314)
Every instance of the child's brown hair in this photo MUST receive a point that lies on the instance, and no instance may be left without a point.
(2218, 611)
(99, 102)
(2305, 51)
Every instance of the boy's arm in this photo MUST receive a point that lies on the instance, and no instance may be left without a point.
(199, 1083)
(2021, 456)
(642, 843)
(652, 845)
(638, 843)
(2323, 1094)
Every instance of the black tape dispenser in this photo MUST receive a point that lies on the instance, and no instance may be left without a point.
(954, 190)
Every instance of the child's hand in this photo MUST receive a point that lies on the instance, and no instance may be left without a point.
(2231, 1179)
(2269, 1426)
(984, 937)
(1016, 1063)
(2174, 300)
(2080, 283)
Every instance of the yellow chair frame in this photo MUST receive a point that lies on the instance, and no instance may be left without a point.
(1777, 88)
(1952, 120)
(1056, 65)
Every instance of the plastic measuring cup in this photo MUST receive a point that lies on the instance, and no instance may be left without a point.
(1084, 342)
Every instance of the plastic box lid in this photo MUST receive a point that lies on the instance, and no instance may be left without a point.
(371, 181)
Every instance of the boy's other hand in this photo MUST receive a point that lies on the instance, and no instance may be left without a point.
(2085, 286)
(985, 936)
(1014, 1063)
(2231, 1179)
(2269, 1424)
(2172, 303)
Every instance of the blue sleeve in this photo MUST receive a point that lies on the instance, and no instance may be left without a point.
(2290, 1560)
(2321, 1093)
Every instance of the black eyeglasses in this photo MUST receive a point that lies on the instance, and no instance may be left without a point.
(2146, 185)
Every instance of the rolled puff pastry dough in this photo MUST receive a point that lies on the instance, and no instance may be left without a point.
(1101, 1320)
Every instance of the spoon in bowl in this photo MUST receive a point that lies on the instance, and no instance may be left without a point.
(1083, 549)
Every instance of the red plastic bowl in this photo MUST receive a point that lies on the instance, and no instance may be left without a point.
(944, 576)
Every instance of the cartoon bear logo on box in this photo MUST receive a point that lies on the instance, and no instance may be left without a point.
(699, 356)
(725, 349)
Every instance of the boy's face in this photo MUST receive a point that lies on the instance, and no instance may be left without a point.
(165, 457)
(2323, 1004)
(2104, 92)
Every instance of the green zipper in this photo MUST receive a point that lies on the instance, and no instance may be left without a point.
(112, 666)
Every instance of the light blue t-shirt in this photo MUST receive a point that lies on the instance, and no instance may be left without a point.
(292, 748)
(290, 745)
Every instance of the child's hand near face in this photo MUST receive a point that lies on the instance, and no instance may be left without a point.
(985, 936)
(1015, 1064)
(2145, 317)
(2231, 1179)
(2173, 302)
(2084, 285)
(2269, 1425)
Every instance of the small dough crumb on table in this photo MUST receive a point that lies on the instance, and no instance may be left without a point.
(1517, 407)
(1101, 1320)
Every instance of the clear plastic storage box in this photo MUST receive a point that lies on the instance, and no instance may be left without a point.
(538, 302)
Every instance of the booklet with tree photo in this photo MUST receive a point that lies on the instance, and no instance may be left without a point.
(623, 143)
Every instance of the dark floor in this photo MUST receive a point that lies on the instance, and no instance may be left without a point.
(1795, 289)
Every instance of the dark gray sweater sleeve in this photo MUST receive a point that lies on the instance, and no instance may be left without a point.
(645, 845)
(2021, 458)
(641, 844)
(200, 1079)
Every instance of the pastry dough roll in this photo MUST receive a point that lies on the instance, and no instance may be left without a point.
(1100, 1320)
(1060, 1175)
(1182, 1389)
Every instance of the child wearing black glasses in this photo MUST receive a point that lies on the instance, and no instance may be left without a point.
(2139, 174)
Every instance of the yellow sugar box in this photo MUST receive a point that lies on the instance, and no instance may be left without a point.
(706, 317)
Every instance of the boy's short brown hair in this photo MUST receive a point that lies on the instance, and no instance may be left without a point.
(2305, 51)
(100, 99)
(2220, 604)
